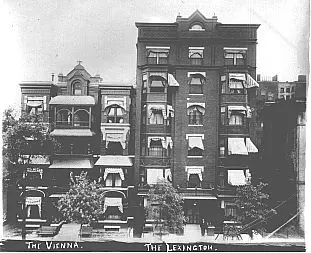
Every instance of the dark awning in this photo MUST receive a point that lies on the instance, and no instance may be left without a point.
(72, 163)
(72, 100)
(72, 132)
(114, 160)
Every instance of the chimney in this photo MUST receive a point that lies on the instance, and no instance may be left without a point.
(60, 77)
(178, 17)
(275, 78)
(258, 77)
(52, 77)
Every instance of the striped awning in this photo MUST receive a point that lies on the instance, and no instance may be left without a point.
(114, 160)
(236, 146)
(250, 82)
(72, 163)
(251, 148)
(72, 132)
(172, 81)
(113, 202)
(113, 171)
(236, 177)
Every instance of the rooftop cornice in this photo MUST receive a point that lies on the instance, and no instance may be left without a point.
(145, 24)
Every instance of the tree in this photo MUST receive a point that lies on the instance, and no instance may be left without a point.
(252, 207)
(83, 202)
(166, 207)
(23, 138)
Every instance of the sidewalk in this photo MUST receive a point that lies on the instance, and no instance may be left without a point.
(68, 232)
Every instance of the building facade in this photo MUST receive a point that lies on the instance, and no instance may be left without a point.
(194, 79)
(90, 120)
(188, 120)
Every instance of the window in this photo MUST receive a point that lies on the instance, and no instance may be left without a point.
(287, 97)
(114, 114)
(195, 146)
(81, 118)
(114, 148)
(156, 117)
(196, 84)
(195, 114)
(235, 56)
(156, 148)
(282, 90)
(287, 89)
(155, 57)
(144, 88)
(270, 96)
(64, 117)
(77, 88)
(293, 89)
(196, 27)
(236, 86)
(223, 115)
(113, 180)
(222, 147)
(236, 120)
(196, 55)
(194, 181)
(35, 105)
(194, 176)
(230, 212)
(157, 84)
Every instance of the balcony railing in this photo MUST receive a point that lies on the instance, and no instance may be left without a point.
(72, 124)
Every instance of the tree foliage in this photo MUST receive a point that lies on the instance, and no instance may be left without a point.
(23, 138)
(169, 207)
(253, 206)
(83, 202)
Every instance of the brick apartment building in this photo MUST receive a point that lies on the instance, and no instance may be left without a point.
(194, 77)
(188, 120)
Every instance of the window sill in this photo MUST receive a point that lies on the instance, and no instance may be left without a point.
(196, 125)
(196, 94)
(194, 156)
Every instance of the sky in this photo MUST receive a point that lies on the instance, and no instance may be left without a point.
(44, 37)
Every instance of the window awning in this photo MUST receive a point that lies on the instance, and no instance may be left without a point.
(250, 82)
(113, 202)
(154, 175)
(72, 132)
(113, 171)
(156, 139)
(73, 163)
(236, 177)
(195, 142)
(116, 137)
(168, 174)
(239, 108)
(196, 171)
(153, 108)
(34, 201)
(195, 107)
(72, 100)
(158, 74)
(34, 103)
(169, 142)
(235, 50)
(172, 81)
(237, 76)
(114, 110)
(170, 110)
(251, 148)
(114, 160)
(35, 159)
(236, 146)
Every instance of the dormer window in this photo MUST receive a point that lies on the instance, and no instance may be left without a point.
(77, 88)
(196, 27)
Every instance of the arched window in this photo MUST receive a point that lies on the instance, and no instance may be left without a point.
(63, 117)
(196, 27)
(81, 118)
(77, 88)
(196, 55)
(115, 114)
(195, 115)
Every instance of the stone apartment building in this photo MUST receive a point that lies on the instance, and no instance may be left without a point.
(187, 120)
